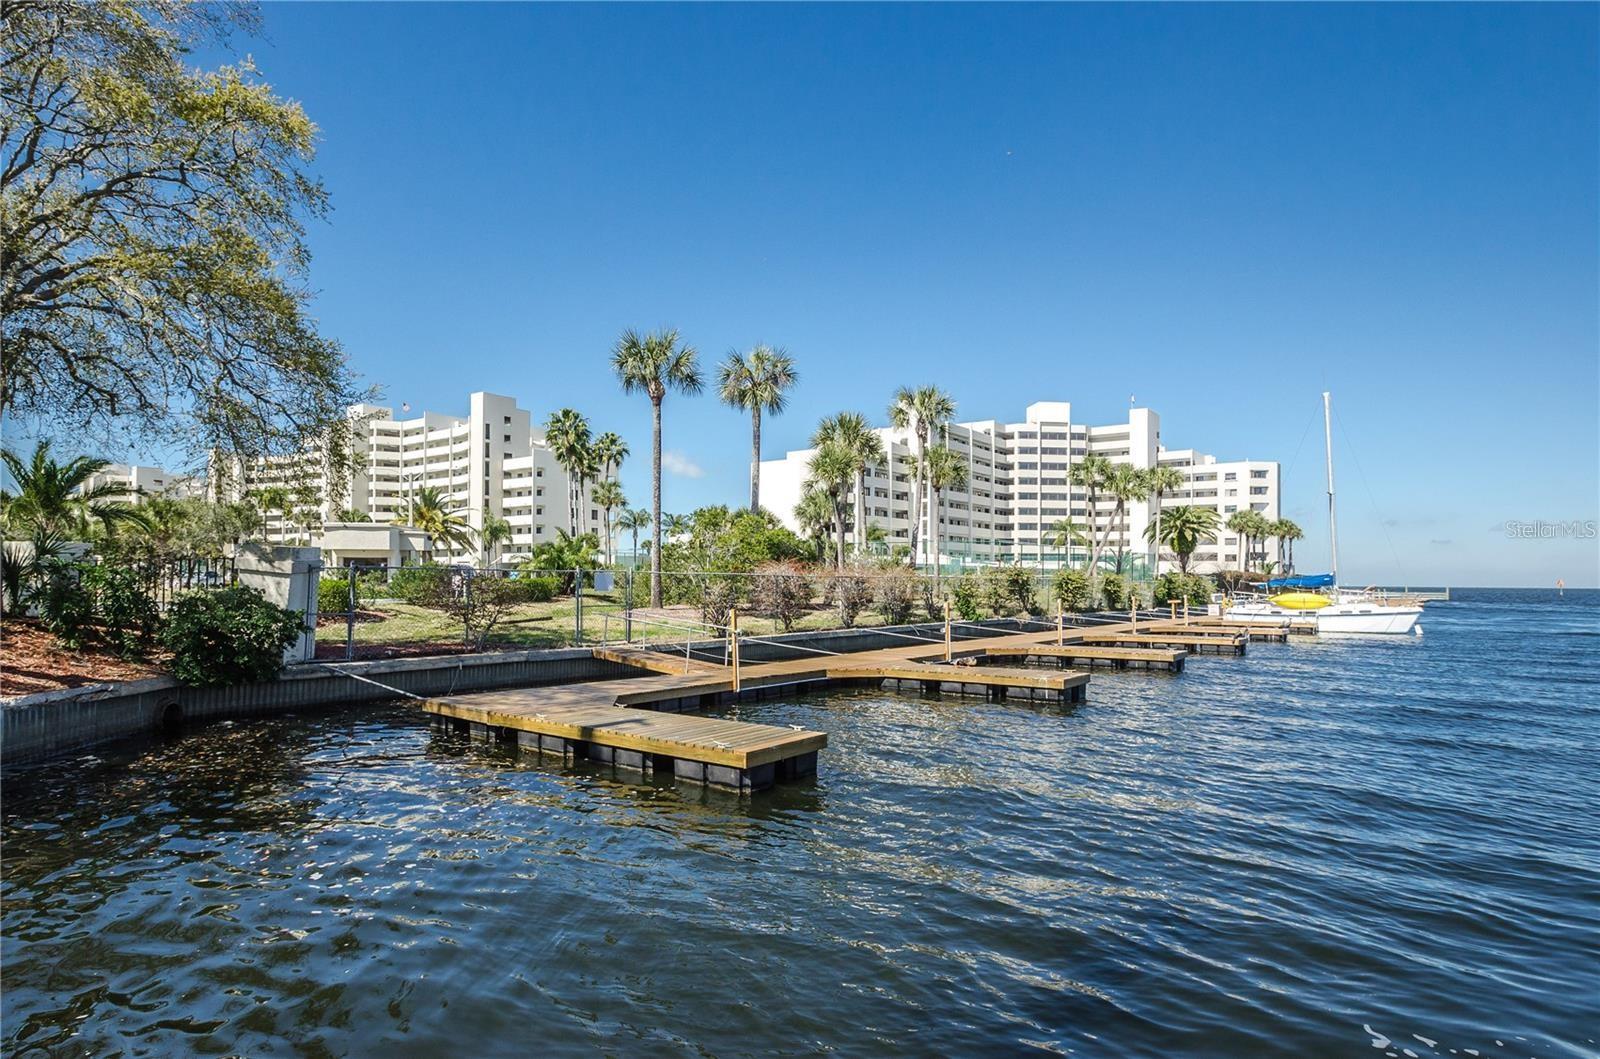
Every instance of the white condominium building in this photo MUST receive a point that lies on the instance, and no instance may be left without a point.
(490, 462)
(140, 483)
(1018, 487)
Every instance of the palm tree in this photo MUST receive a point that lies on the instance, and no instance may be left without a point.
(350, 514)
(566, 433)
(851, 432)
(833, 470)
(757, 382)
(495, 532)
(1158, 481)
(921, 410)
(1090, 474)
(633, 520)
(944, 469)
(273, 498)
(1183, 528)
(1064, 533)
(1287, 531)
(608, 496)
(610, 450)
(1239, 523)
(814, 513)
(1123, 483)
(430, 510)
(57, 498)
(654, 364)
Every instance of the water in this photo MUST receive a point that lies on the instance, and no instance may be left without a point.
(1377, 847)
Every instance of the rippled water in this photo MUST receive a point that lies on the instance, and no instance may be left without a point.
(1322, 848)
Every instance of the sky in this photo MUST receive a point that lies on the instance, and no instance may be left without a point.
(1214, 212)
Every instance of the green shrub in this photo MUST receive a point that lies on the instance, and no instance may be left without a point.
(128, 616)
(333, 594)
(540, 589)
(966, 597)
(1174, 587)
(65, 606)
(1114, 592)
(1072, 591)
(418, 585)
(229, 636)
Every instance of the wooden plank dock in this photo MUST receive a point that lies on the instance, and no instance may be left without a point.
(994, 683)
(584, 722)
(646, 722)
(1080, 654)
(1195, 643)
(1256, 633)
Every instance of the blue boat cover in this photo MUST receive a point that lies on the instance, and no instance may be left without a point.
(1302, 581)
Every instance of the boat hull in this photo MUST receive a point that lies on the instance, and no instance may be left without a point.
(1361, 618)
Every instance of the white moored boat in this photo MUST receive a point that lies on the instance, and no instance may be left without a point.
(1318, 597)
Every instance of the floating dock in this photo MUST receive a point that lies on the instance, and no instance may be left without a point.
(1194, 643)
(584, 722)
(1079, 654)
(642, 723)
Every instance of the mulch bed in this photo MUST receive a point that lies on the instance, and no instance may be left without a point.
(31, 661)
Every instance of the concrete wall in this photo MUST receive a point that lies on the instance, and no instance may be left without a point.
(287, 577)
(40, 726)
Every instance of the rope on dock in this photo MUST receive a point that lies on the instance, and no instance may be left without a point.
(375, 683)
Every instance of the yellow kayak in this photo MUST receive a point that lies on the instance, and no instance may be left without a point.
(1300, 601)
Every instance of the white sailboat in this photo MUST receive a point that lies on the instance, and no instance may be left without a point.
(1334, 609)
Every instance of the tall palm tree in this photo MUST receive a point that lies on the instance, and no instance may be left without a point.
(1064, 533)
(1183, 528)
(1158, 481)
(833, 470)
(608, 497)
(653, 364)
(758, 381)
(1287, 531)
(431, 511)
(921, 410)
(610, 450)
(1090, 474)
(633, 520)
(1124, 483)
(814, 513)
(943, 468)
(1239, 523)
(851, 432)
(495, 532)
(56, 497)
(566, 433)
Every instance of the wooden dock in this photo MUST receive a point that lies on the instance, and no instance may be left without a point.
(1079, 654)
(584, 722)
(645, 723)
(1194, 643)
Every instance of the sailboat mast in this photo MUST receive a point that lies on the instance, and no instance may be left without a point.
(1333, 521)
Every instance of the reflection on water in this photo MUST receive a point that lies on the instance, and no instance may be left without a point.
(1347, 847)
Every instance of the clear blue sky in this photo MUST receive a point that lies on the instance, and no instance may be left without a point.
(1220, 210)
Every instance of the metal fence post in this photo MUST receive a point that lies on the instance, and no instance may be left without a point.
(627, 612)
(577, 606)
(350, 616)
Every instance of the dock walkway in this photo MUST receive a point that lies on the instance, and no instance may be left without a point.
(644, 723)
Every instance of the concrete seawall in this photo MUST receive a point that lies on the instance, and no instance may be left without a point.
(36, 727)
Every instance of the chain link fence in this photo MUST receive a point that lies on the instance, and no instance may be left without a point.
(370, 612)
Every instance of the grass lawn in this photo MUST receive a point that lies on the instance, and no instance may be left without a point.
(389, 627)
